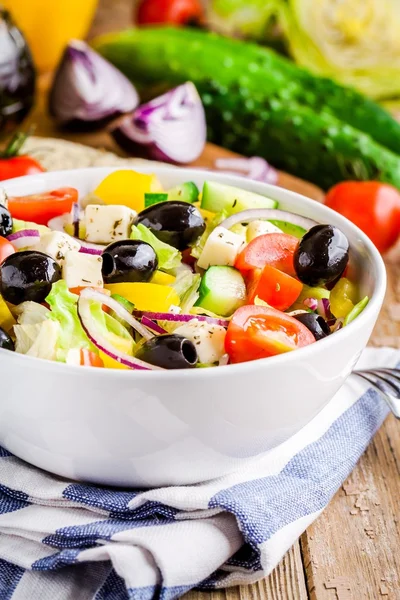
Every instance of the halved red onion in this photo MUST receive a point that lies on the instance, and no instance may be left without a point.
(88, 88)
(24, 238)
(311, 303)
(119, 310)
(89, 326)
(153, 326)
(180, 318)
(255, 168)
(171, 127)
(252, 214)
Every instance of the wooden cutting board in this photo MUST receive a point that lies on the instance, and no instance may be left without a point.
(352, 550)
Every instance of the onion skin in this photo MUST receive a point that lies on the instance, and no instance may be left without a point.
(87, 90)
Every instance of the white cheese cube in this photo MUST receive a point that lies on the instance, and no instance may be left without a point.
(257, 228)
(221, 248)
(209, 340)
(57, 244)
(106, 224)
(3, 197)
(82, 270)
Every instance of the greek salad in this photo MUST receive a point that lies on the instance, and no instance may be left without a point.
(133, 276)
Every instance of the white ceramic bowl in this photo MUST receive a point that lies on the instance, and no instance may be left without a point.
(177, 427)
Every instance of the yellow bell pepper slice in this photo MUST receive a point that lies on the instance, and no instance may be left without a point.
(207, 215)
(127, 188)
(122, 345)
(6, 318)
(162, 278)
(343, 297)
(146, 296)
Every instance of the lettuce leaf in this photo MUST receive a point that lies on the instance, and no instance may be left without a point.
(187, 286)
(169, 258)
(38, 340)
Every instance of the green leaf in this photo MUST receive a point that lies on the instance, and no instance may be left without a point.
(358, 308)
(169, 258)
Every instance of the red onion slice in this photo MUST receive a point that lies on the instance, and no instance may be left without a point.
(89, 326)
(24, 238)
(311, 303)
(87, 248)
(171, 127)
(58, 223)
(119, 310)
(180, 318)
(324, 309)
(255, 168)
(252, 214)
(88, 88)
(153, 326)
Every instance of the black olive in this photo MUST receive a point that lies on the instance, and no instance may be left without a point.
(128, 260)
(315, 323)
(6, 342)
(176, 223)
(169, 351)
(6, 222)
(28, 275)
(322, 255)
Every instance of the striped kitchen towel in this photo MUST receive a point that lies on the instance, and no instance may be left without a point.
(63, 540)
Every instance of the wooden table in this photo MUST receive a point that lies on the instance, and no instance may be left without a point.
(352, 552)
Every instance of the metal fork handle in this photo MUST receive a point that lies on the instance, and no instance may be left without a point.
(372, 376)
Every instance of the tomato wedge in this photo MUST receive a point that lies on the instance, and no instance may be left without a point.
(40, 208)
(6, 248)
(275, 249)
(90, 359)
(259, 331)
(274, 287)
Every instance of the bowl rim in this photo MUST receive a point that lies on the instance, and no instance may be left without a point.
(370, 312)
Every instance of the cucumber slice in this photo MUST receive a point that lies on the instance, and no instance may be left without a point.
(289, 228)
(217, 197)
(186, 192)
(150, 199)
(222, 291)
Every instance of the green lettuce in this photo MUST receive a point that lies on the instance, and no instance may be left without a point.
(187, 286)
(169, 258)
(38, 340)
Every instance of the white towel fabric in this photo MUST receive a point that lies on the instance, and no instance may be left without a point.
(63, 540)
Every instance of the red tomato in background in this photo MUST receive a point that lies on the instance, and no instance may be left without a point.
(374, 207)
(17, 166)
(6, 249)
(40, 208)
(274, 249)
(177, 12)
(274, 287)
(259, 331)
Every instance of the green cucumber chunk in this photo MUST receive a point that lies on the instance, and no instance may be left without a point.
(289, 228)
(358, 308)
(150, 199)
(186, 192)
(124, 302)
(217, 197)
(222, 290)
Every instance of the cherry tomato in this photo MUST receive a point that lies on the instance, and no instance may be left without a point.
(274, 249)
(40, 208)
(6, 248)
(259, 331)
(17, 166)
(274, 287)
(374, 207)
(177, 12)
(90, 359)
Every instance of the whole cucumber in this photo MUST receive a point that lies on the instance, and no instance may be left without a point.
(178, 55)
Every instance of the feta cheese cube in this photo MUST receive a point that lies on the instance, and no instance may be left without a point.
(221, 248)
(82, 270)
(257, 228)
(3, 197)
(57, 244)
(106, 224)
(209, 340)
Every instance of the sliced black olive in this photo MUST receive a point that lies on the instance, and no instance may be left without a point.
(128, 261)
(321, 256)
(315, 323)
(6, 342)
(28, 275)
(169, 351)
(6, 222)
(176, 223)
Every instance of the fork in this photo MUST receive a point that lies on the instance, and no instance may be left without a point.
(387, 383)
